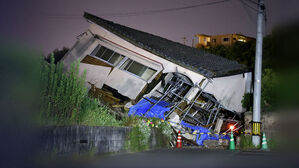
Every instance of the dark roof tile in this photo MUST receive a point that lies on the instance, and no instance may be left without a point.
(191, 58)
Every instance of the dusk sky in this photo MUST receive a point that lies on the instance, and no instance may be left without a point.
(48, 24)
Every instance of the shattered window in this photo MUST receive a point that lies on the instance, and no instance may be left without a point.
(138, 69)
(107, 55)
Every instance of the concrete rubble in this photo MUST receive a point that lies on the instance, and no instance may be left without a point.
(202, 110)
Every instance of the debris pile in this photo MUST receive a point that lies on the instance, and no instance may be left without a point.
(199, 118)
(187, 108)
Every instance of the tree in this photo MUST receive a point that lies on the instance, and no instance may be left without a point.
(244, 53)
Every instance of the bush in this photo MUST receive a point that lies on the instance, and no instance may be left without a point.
(65, 99)
(139, 137)
(246, 142)
(247, 101)
(94, 115)
(268, 95)
(269, 82)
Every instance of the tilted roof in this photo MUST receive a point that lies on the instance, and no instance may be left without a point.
(207, 64)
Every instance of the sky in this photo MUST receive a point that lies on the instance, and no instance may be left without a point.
(48, 24)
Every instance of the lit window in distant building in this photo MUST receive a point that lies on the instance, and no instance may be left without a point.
(225, 39)
(242, 40)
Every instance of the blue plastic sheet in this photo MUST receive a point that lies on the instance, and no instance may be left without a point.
(143, 105)
(200, 138)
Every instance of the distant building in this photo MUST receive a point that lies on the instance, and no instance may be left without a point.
(207, 41)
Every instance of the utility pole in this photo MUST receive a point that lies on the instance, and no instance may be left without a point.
(256, 118)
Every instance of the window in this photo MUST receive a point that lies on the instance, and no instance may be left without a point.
(214, 40)
(138, 69)
(107, 55)
(225, 39)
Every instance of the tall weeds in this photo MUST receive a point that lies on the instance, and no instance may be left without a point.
(65, 99)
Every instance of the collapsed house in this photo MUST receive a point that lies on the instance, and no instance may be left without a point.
(129, 65)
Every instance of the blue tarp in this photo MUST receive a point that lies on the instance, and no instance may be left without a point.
(200, 138)
(143, 105)
(158, 111)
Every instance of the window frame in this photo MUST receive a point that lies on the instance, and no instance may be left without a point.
(107, 61)
(121, 62)
(147, 67)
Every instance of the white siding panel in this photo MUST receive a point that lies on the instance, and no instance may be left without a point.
(125, 83)
(229, 91)
(95, 74)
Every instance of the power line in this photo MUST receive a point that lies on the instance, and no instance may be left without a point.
(263, 6)
(252, 1)
(244, 3)
(149, 12)
(164, 10)
(252, 20)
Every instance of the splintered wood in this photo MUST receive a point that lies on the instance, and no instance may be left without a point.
(106, 96)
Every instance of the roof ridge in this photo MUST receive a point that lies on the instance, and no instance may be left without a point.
(207, 64)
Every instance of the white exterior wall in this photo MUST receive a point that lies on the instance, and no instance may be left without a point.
(168, 66)
(84, 46)
(96, 75)
(230, 90)
(125, 83)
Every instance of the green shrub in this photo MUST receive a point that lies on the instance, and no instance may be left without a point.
(268, 95)
(269, 82)
(247, 101)
(246, 142)
(94, 115)
(138, 139)
(129, 121)
(65, 99)
(142, 128)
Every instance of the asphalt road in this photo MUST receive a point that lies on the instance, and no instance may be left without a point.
(191, 157)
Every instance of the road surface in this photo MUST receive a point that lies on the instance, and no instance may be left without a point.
(191, 158)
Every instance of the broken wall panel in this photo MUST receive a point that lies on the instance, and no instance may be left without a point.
(95, 74)
(84, 46)
(230, 90)
(125, 83)
(106, 96)
(93, 61)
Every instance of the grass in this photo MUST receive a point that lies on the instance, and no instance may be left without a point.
(65, 101)
(65, 98)
(139, 138)
(246, 143)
